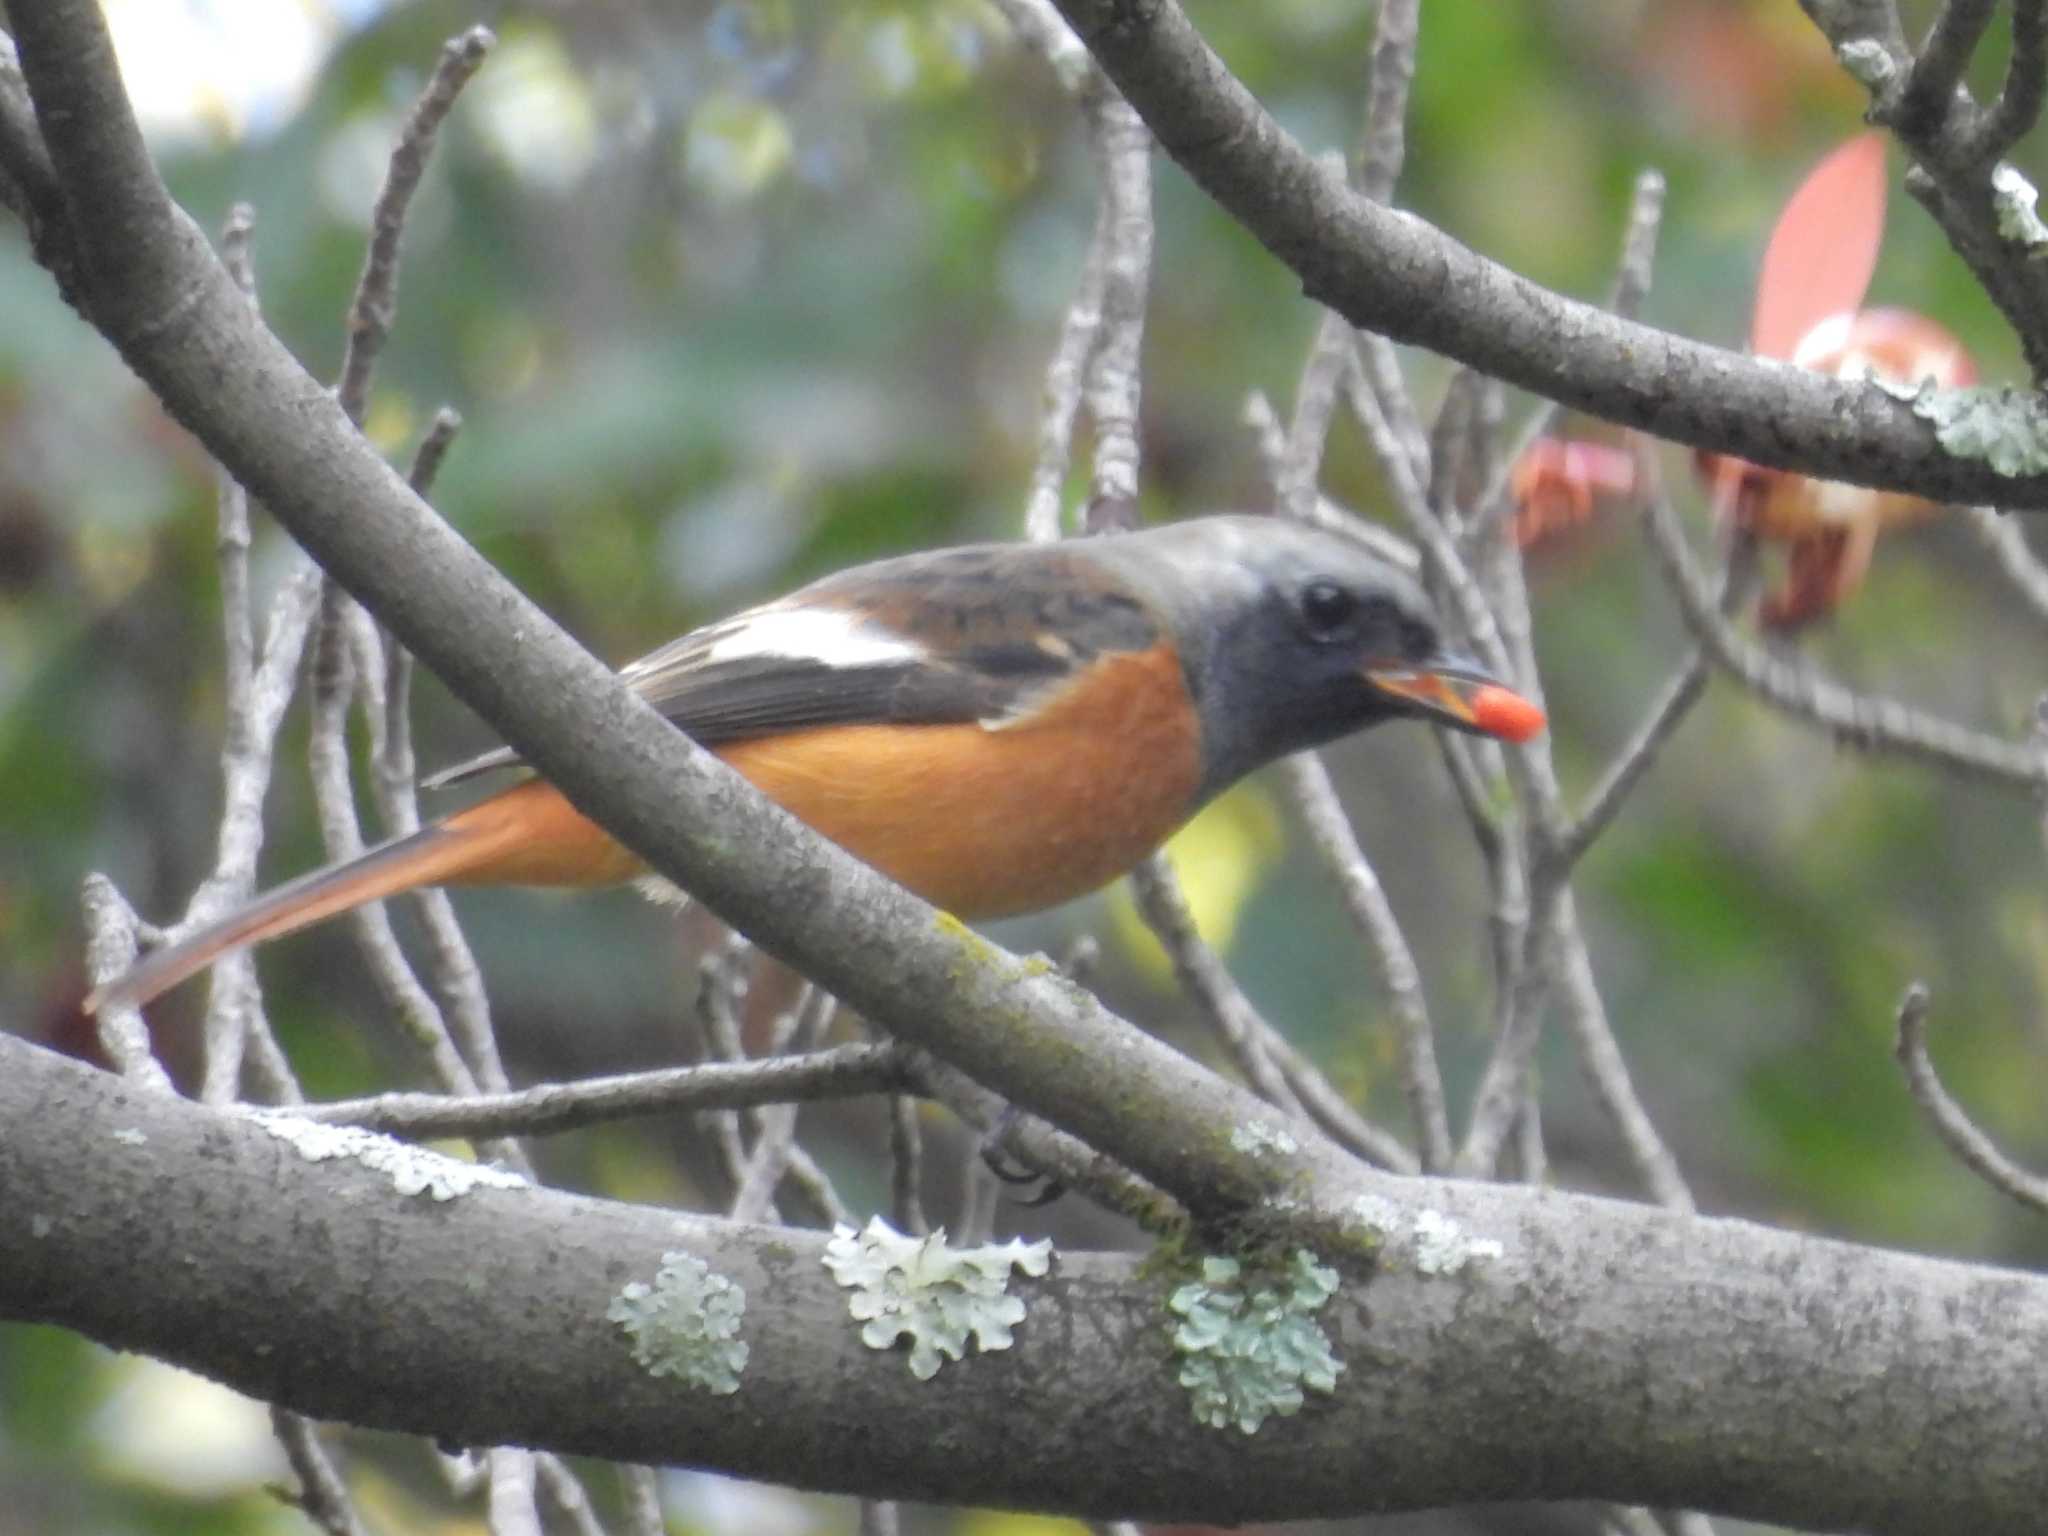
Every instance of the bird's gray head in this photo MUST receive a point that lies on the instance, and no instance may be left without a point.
(1292, 636)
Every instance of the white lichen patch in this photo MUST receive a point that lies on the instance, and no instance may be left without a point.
(1249, 1347)
(1435, 1243)
(412, 1170)
(130, 1137)
(1257, 1136)
(939, 1298)
(2014, 200)
(1442, 1247)
(1867, 61)
(686, 1324)
(2004, 427)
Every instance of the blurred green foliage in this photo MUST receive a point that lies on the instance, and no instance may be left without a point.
(729, 295)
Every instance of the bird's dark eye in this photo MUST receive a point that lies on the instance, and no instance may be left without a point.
(1328, 609)
(1418, 640)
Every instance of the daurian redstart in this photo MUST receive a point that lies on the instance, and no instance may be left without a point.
(998, 727)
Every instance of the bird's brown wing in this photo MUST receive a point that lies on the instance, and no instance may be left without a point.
(945, 639)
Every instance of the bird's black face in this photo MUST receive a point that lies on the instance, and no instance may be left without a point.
(1375, 640)
(1293, 637)
(1290, 636)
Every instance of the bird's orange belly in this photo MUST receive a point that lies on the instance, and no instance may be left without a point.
(990, 822)
(984, 822)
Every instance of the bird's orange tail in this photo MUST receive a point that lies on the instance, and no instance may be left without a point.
(527, 835)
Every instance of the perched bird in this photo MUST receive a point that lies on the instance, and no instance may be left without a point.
(998, 727)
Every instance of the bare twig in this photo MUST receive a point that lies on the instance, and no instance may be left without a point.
(838, 1072)
(2007, 541)
(376, 298)
(1592, 1036)
(1340, 1121)
(1229, 1012)
(775, 1147)
(511, 1498)
(566, 1492)
(1681, 691)
(1632, 280)
(1524, 992)
(1386, 120)
(322, 1492)
(328, 761)
(1531, 1155)
(2012, 116)
(1373, 915)
(1855, 720)
(1271, 440)
(1932, 88)
(1947, 1117)
(1122, 148)
(641, 1487)
(109, 950)
(1315, 403)
(1064, 374)
(906, 1167)
(1047, 33)
(721, 992)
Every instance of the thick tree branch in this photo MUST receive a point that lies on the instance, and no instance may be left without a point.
(1735, 1368)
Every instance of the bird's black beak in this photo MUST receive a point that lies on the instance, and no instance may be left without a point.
(1459, 693)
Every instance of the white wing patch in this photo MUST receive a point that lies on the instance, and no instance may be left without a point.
(828, 635)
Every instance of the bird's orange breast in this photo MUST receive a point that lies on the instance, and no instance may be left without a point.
(987, 822)
(983, 821)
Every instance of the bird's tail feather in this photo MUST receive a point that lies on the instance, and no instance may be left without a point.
(445, 851)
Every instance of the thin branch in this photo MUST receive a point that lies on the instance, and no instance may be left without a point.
(565, 1490)
(906, 1167)
(2018, 108)
(1440, 555)
(1393, 71)
(1064, 375)
(1271, 440)
(1373, 916)
(1122, 149)
(1339, 1119)
(327, 758)
(1633, 276)
(510, 1499)
(2008, 544)
(840, 1072)
(1315, 403)
(642, 1489)
(1868, 724)
(1600, 1059)
(375, 305)
(1932, 87)
(1682, 690)
(775, 1151)
(1531, 1157)
(1044, 30)
(1948, 1118)
(1524, 991)
(1229, 1012)
(721, 992)
(322, 1494)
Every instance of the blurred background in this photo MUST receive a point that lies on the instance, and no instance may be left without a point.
(730, 295)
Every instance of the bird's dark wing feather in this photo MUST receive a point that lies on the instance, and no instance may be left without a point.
(927, 640)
